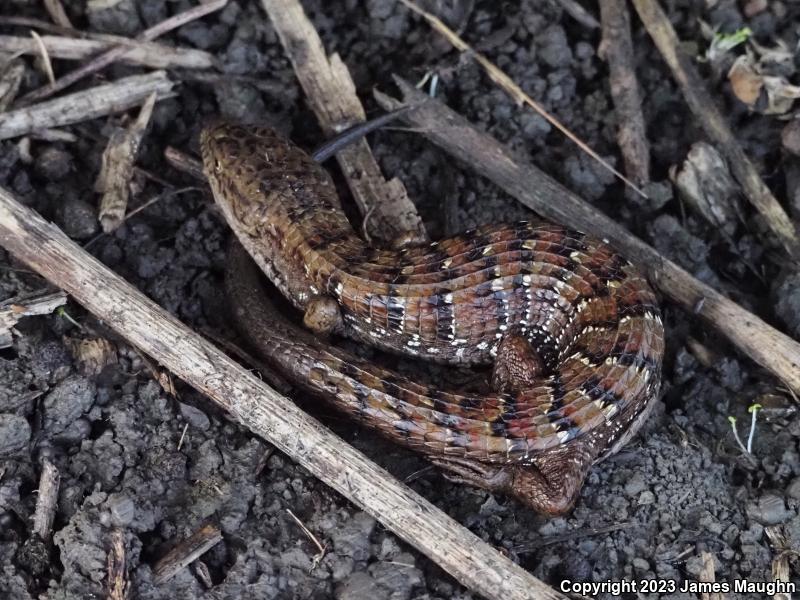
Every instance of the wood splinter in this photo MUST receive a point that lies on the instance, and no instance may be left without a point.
(186, 552)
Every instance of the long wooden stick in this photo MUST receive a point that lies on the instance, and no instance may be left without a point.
(616, 49)
(47, 250)
(714, 124)
(512, 88)
(765, 345)
(331, 93)
(98, 101)
(150, 54)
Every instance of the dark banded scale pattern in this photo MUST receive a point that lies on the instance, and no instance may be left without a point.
(588, 312)
(494, 428)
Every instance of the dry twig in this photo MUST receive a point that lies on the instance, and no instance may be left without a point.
(117, 587)
(715, 125)
(617, 49)
(85, 105)
(186, 552)
(249, 401)
(114, 54)
(46, 501)
(184, 163)
(117, 168)
(512, 89)
(149, 54)
(320, 546)
(12, 310)
(332, 95)
(43, 54)
(767, 346)
(56, 11)
(580, 14)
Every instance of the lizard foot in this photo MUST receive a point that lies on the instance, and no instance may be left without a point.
(517, 364)
(322, 315)
(550, 484)
(495, 478)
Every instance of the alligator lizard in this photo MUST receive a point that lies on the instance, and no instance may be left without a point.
(572, 328)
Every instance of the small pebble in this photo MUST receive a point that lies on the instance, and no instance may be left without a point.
(53, 163)
(14, 434)
(635, 485)
(122, 509)
(641, 564)
(793, 489)
(769, 510)
(790, 137)
(194, 417)
(754, 7)
(77, 218)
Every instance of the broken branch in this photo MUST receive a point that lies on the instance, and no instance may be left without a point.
(92, 103)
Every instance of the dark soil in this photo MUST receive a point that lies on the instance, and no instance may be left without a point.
(680, 488)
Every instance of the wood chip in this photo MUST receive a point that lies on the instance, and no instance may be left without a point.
(92, 354)
(46, 500)
(707, 575)
(781, 571)
(706, 184)
(186, 552)
(12, 310)
(117, 168)
(11, 74)
(118, 586)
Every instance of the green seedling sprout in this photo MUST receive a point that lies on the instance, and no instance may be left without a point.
(753, 410)
(725, 42)
(62, 312)
(736, 433)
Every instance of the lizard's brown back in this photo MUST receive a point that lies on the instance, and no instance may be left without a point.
(575, 299)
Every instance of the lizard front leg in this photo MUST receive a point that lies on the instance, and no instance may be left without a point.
(517, 364)
(323, 315)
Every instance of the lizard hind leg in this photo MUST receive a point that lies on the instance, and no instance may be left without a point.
(323, 315)
(550, 485)
(517, 364)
